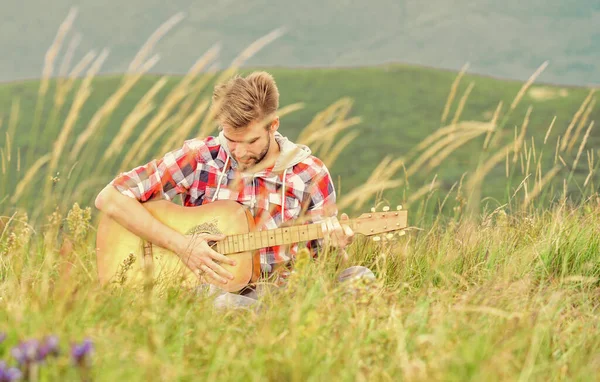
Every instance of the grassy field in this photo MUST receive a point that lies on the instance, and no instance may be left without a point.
(513, 297)
(497, 278)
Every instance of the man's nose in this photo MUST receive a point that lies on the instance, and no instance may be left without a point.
(239, 151)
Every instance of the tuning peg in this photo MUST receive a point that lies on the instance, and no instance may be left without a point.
(389, 236)
(398, 207)
(401, 233)
(372, 209)
(376, 238)
(386, 209)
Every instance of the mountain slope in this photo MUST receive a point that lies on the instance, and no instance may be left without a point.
(509, 39)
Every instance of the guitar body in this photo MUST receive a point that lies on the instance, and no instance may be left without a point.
(125, 258)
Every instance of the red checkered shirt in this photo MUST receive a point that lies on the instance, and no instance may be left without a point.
(195, 169)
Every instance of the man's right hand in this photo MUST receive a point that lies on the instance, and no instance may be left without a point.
(201, 259)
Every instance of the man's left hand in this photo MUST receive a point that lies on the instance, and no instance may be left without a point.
(337, 234)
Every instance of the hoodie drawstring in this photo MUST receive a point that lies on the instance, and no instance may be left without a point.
(283, 195)
(223, 172)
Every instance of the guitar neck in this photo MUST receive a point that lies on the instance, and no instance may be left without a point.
(262, 239)
(367, 224)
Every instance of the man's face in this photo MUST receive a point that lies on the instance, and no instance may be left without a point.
(248, 145)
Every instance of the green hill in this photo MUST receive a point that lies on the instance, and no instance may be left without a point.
(399, 107)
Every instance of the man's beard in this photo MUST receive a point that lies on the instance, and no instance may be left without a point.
(254, 161)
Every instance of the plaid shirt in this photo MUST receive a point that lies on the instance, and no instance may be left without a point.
(195, 169)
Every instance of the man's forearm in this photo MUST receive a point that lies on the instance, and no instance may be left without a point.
(130, 214)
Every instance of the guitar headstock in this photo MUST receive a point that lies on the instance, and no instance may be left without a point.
(385, 223)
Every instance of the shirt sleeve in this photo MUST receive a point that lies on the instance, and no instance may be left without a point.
(321, 205)
(162, 178)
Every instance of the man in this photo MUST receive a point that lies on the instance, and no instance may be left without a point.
(250, 162)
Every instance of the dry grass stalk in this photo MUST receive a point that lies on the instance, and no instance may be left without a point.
(82, 96)
(63, 71)
(179, 92)
(428, 141)
(15, 113)
(62, 82)
(549, 129)
(475, 181)
(453, 90)
(431, 151)
(167, 125)
(333, 154)
(379, 180)
(107, 109)
(576, 117)
(29, 176)
(424, 190)
(527, 85)
(521, 138)
(556, 150)
(321, 141)
(52, 52)
(582, 145)
(141, 110)
(78, 102)
(590, 157)
(358, 197)
(3, 161)
(338, 109)
(539, 186)
(444, 153)
(494, 122)
(387, 168)
(159, 33)
(462, 103)
(186, 127)
(581, 125)
(335, 129)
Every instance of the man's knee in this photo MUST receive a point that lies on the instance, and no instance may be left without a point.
(356, 272)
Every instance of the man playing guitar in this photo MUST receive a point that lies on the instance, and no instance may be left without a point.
(250, 162)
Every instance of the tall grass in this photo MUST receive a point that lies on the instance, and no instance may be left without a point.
(476, 288)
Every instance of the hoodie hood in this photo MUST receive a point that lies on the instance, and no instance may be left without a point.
(290, 153)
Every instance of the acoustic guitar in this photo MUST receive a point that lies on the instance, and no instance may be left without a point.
(124, 258)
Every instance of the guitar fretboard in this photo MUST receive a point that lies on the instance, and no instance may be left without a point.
(262, 239)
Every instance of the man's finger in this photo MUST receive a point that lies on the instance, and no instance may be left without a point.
(211, 237)
(212, 274)
(348, 231)
(331, 229)
(218, 269)
(221, 258)
(344, 217)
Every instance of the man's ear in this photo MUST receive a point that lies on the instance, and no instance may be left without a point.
(274, 125)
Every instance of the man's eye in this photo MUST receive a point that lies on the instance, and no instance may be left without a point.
(252, 141)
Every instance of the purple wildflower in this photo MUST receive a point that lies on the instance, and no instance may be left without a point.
(2, 337)
(82, 352)
(9, 374)
(26, 352)
(48, 347)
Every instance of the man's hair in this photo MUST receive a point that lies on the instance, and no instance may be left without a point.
(241, 101)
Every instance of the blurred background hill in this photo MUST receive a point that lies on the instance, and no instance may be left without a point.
(508, 39)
